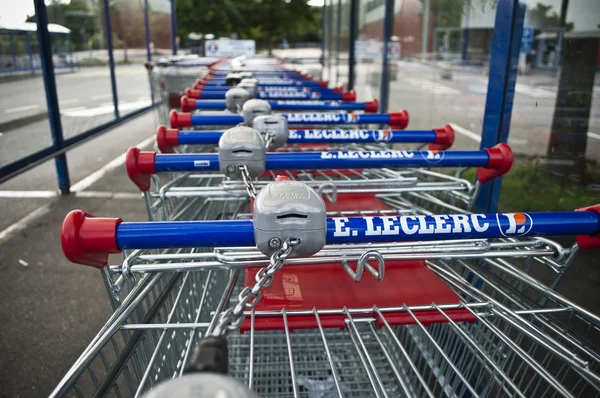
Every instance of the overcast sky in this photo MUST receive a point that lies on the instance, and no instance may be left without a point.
(12, 11)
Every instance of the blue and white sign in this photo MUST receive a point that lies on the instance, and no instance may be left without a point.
(230, 48)
(527, 40)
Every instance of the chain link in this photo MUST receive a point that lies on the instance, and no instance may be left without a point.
(250, 296)
(250, 188)
(269, 140)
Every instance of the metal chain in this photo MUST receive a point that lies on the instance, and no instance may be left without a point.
(249, 297)
(250, 188)
(269, 140)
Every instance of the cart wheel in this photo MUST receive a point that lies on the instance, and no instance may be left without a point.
(201, 385)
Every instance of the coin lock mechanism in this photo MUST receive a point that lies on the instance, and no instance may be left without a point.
(249, 86)
(235, 98)
(287, 209)
(273, 129)
(253, 108)
(233, 79)
(241, 146)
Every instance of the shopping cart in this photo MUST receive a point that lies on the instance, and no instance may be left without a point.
(278, 136)
(191, 101)
(170, 77)
(445, 312)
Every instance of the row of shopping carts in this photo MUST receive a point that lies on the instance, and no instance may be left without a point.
(294, 248)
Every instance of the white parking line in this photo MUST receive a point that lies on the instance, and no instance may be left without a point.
(113, 164)
(77, 108)
(103, 96)
(28, 194)
(54, 194)
(465, 132)
(69, 101)
(593, 135)
(75, 188)
(24, 222)
(22, 108)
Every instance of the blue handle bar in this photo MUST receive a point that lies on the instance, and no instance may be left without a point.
(399, 119)
(272, 89)
(331, 160)
(320, 105)
(191, 137)
(216, 120)
(299, 96)
(296, 105)
(269, 83)
(186, 234)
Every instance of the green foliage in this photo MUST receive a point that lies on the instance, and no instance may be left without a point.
(262, 20)
(76, 16)
(547, 17)
(529, 186)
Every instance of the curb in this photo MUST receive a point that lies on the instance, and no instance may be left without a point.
(22, 121)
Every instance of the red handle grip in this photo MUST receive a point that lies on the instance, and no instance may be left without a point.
(372, 106)
(187, 104)
(501, 160)
(586, 242)
(324, 83)
(140, 167)
(166, 139)
(399, 120)
(193, 93)
(350, 96)
(444, 138)
(179, 119)
(88, 240)
(338, 90)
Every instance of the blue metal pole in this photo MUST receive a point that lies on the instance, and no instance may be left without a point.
(337, 42)
(173, 28)
(465, 47)
(351, 38)
(29, 53)
(70, 48)
(388, 27)
(13, 50)
(147, 32)
(111, 58)
(323, 28)
(506, 43)
(62, 169)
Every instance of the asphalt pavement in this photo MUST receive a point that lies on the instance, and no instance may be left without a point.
(85, 101)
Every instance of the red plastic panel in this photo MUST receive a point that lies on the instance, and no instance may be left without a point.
(327, 286)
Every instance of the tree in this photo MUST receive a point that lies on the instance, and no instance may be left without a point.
(547, 19)
(208, 16)
(262, 20)
(76, 16)
(127, 20)
(274, 20)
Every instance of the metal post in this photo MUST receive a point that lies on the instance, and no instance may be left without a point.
(147, 32)
(388, 28)
(504, 60)
(337, 42)
(323, 29)
(13, 50)
(62, 169)
(111, 58)
(425, 30)
(465, 46)
(173, 28)
(351, 39)
(29, 52)
(329, 32)
(70, 49)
